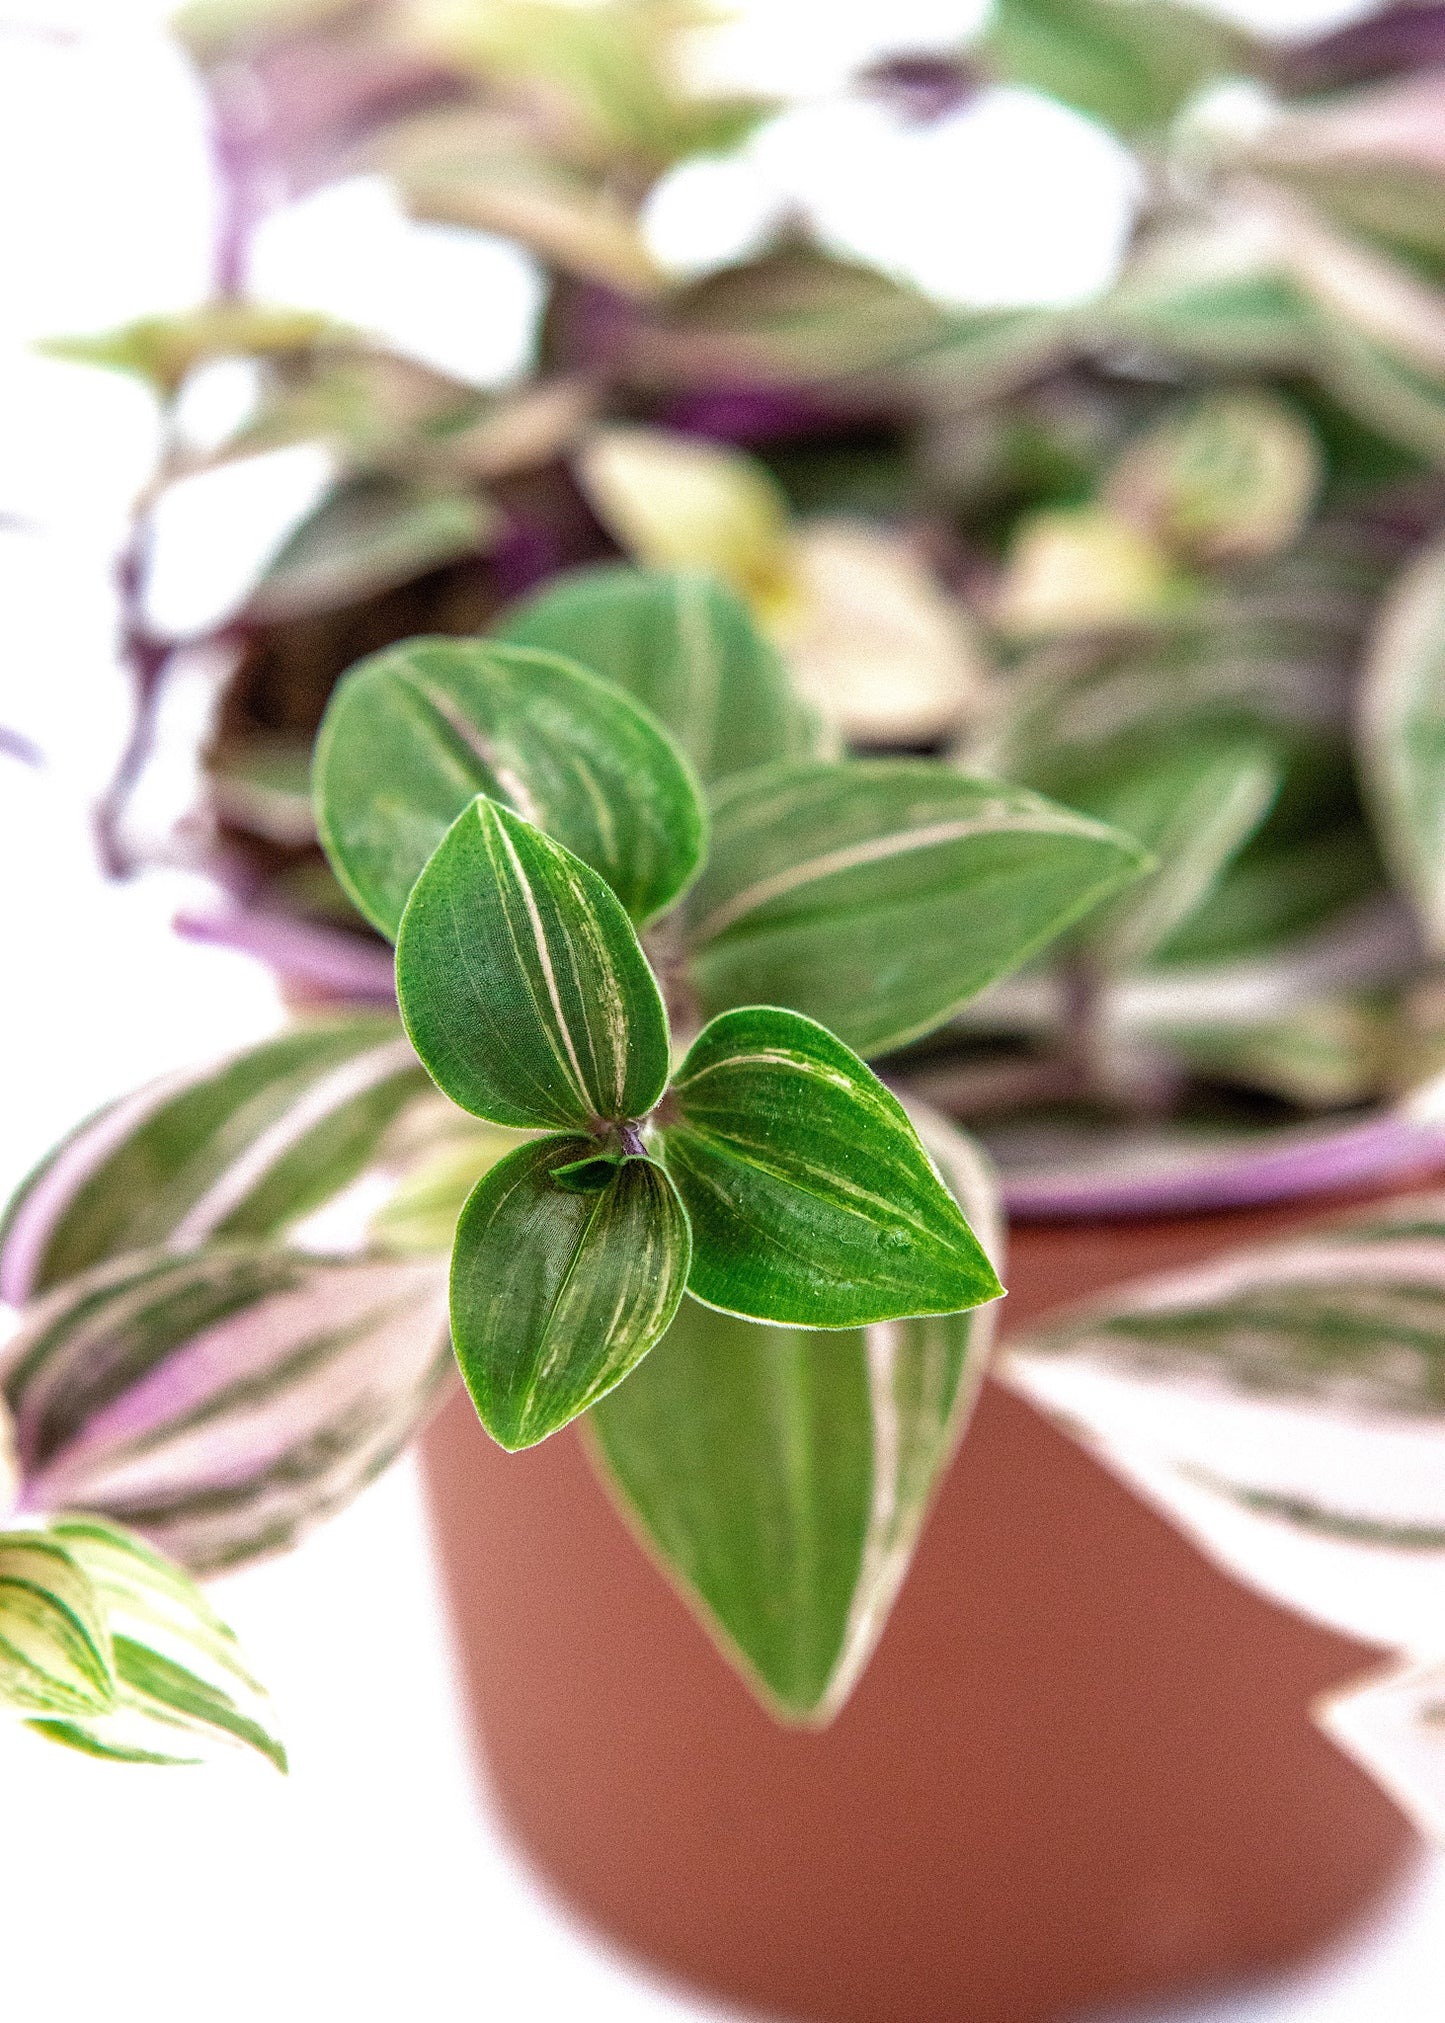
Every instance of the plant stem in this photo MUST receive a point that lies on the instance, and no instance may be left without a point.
(144, 653)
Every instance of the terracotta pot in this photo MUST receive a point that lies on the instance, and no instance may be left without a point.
(1078, 1772)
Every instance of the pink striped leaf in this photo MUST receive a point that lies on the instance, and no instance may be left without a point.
(223, 1401)
(1285, 1407)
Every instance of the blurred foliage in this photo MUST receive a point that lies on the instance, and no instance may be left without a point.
(1073, 543)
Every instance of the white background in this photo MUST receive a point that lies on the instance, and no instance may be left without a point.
(372, 1884)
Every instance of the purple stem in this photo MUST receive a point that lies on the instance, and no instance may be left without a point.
(146, 655)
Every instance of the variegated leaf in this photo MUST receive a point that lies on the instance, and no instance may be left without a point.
(1232, 476)
(882, 652)
(181, 1686)
(811, 1199)
(686, 646)
(55, 1646)
(1393, 1724)
(242, 1149)
(782, 1476)
(223, 1401)
(879, 896)
(165, 350)
(679, 502)
(570, 220)
(370, 534)
(1286, 1407)
(522, 983)
(1402, 741)
(412, 735)
(568, 1267)
(1193, 803)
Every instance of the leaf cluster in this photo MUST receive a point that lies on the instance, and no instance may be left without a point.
(529, 829)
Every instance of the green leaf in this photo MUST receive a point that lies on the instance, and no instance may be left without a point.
(687, 647)
(557, 1291)
(55, 1648)
(613, 77)
(1130, 63)
(1274, 892)
(676, 501)
(1363, 157)
(880, 896)
(419, 1217)
(1205, 297)
(237, 1150)
(1285, 1405)
(1224, 478)
(165, 350)
(795, 316)
(811, 1198)
(1383, 386)
(412, 735)
(224, 1401)
(371, 534)
(1193, 804)
(522, 983)
(181, 1683)
(1402, 736)
(263, 785)
(449, 175)
(782, 1476)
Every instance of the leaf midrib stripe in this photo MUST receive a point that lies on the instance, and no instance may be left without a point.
(571, 1066)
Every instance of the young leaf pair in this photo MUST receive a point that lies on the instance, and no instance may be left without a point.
(782, 1181)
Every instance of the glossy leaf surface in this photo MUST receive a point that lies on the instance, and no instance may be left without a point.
(241, 1149)
(223, 1401)
(812, 1201)
(416, 732)
(55, 1649)
(688, 648)
(782, 1475)
(1286, 1407)
(557, 1290)
(880, 896)
(522, 983)
(1403, 737)
(181, 1686)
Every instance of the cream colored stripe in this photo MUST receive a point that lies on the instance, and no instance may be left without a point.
(998, 817)
(544, 957)
(340, 1087)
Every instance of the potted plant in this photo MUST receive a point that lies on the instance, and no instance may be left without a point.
(1027, 716)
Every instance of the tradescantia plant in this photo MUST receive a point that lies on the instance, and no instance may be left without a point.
(650, 1143)
(799, 703)
(749, 1155)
